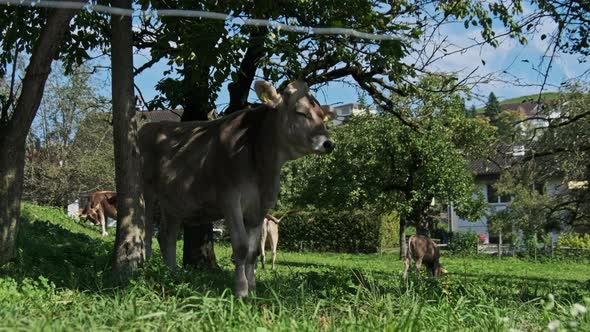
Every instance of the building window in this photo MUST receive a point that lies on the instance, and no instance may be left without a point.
(493, 196)
(539, 187)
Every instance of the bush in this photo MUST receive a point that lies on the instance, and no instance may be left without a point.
(340, 231)
(389, 231)
(464, 243)
(573, 240)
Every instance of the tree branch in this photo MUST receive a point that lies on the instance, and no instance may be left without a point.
(240, 89)
(145, 66)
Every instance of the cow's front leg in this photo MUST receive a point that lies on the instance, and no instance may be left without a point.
(103, 222)
(167, 239)
(239, 244)
(149, 221)
(254, 233)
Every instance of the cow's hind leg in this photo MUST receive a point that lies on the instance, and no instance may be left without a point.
(274, 241)
(149, 221)
(167, 239)
(406, 267)
(418, 266)
(262, 247)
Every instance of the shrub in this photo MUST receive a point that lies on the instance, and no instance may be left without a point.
(340, 231)
(464, 243)
(573, 240)
(389, 231)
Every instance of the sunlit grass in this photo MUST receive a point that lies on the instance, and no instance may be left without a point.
(61, 281)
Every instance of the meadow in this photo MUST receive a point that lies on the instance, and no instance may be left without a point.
(61, 281)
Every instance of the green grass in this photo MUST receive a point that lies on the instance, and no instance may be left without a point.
(546, 96)
(61, 281)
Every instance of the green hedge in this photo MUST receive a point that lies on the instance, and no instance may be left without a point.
(463, 243)
(573, 240)
(339, 231)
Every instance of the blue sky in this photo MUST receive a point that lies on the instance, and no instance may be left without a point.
(508, 63)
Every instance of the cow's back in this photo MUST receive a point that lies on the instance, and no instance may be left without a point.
(422, 247)
(197, 162)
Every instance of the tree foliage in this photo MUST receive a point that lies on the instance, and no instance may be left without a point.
(492, 108)
(70, 145)
(558, 154)
(382, 164)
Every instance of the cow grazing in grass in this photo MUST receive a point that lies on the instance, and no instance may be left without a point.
(229, 168)
(423, 251)
(100, 206)
(270, 230)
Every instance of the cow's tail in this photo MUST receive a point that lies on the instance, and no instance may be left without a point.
(407, 256)
(409, 248)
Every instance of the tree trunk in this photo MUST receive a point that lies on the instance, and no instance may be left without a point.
(14, 131)
(403, 246)
(130, 241)
(196, 92)
(240, 89)
(198, 251)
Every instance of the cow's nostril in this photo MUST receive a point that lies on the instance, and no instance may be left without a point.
(329, 146)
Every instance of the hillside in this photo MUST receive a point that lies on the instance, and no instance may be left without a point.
(545, 96)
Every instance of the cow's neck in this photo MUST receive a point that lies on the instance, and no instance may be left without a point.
(270, 154)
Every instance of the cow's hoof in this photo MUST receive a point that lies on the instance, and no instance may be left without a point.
(241, 294)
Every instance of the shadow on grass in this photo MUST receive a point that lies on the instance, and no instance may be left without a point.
(77, 261)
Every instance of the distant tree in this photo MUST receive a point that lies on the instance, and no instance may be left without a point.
(52, 175)
(510, 128)
(492, 108)
(91, 158)
(471, 112)
(384, 165)
(558, 155)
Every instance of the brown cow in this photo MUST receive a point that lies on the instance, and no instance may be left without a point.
(270, 229)
(423, 250)
(100, 205)
(229, 168)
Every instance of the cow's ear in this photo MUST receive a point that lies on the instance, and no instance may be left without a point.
(329, 112)
(267, 93)
(298, 87)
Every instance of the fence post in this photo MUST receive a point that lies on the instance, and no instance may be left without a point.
(499, 245)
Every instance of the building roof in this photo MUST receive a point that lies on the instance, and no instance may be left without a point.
(526, 108)
(162, 115)
(505, 156)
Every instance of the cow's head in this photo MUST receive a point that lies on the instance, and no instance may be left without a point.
(440, 271)
(89, 214)
(302, 119)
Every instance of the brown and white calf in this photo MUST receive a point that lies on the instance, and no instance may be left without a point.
(229, 168)
(100, 206)
(270, 230)
(423, 251)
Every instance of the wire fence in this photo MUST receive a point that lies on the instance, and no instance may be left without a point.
(203, 15)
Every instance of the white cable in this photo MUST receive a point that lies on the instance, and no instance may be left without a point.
(198, 14)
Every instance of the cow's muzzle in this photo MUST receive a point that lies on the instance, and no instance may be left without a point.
(328, 146)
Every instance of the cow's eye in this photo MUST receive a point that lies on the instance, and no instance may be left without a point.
(307, 115)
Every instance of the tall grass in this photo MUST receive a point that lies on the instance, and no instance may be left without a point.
(60, 281)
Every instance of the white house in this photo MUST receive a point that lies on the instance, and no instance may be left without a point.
(487, 173)
(345, 110)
